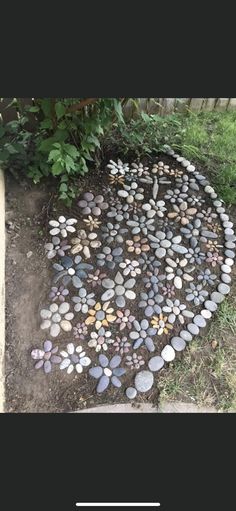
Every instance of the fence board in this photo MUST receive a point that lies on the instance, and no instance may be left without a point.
(221, 104)
(196, 104)
(208, 104)
(181, 104)
(232, 104)
(8, 113)
(168, 105)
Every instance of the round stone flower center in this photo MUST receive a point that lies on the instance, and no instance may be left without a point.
(71, 271)
(107, 371)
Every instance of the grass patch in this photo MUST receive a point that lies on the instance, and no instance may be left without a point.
(206, 374)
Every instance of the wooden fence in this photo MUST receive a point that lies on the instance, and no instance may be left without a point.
(161, 106)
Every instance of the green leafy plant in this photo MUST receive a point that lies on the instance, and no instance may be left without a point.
(64, 139)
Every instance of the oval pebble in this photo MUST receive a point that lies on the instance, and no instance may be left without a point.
(210, 305)
(143, 381)
(206, 313)
(186, 336)
(168, 353)
(225, 278)
(193, 329)
(224, 289)
(199, 321)
(217, 297)
(178, 343)
(131, 392)
(155, 363)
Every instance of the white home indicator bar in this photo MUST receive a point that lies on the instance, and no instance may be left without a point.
(118, 504)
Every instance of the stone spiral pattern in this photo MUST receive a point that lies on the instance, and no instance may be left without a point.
(155, 240)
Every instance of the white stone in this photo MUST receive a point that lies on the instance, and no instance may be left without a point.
(168, 353)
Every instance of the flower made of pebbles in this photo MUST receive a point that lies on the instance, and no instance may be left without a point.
(46, 357)
(166, 243)
(213, 246)
(62, 226)
(92, 223)
(108, 372)
(110, 257)
(192, 229)
(83, 301)
(206, 277)
(194, 254)
(58, 294)
(101, 315)
(119, 212)
(66, 272)
(119, 288)
(188, 182)
(122, 345)
(148, 262)
(138, 245)
(130, 267)
(134, 361)
(214, 258)
(74, 358)
(207, 215)
(196, 294)
(168, 290)
(100, 340)
(141, 224)
(131, 192)
(178, 271)
(161, 325)
(182, 213)
(113, 233)
(57, 318)
(154, 279)
(150, 302)
(118, 168)
(142, 334)
(176, 195)
(90, 204)
(158, 207)
(56, 247)
(125, 319)
(196, 200)
(80, 331)
(84, 242)
(176, 310)
(95, 279)
(118, 179)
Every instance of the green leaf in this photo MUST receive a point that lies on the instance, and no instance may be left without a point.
(63, 187)
(71, 150)
(4, 155)
(60, 109)
(145, 117)
(69, 163)
(11, 149)
(57, 168)
(118, 110)
(2, 130)
(46, 124)
(46, 105)
(54, 155)
(34, 109)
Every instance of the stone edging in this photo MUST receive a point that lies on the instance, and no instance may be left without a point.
(2, 290)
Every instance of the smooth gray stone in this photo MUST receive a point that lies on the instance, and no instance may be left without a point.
(100, 315)
(119, 290)
(119, 279)
(96, 372)
(217, 297)
(224, 289)
(76, 281)
(108, 283)
(229, 231)
(225, 278)
(209, 234)
(155, 363)
(228, 224)
(178, 343)
(179, 249)
(143, 381)
(160, 252)
(149, 311)
(107, 295)
(129, 284)
(135, 230)
(224, 217)
(217, 203)
(117, 251)
(206, 313)
(225, 268)
(199, 321)
(230, 254)
(193, 329)
(230, 244)
(149, 344)
(107, 250)
(186, 336)
(210, 305)
(131, 392)
(120, 301)
(103, 384)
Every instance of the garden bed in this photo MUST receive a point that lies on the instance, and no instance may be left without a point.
(29, 279)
